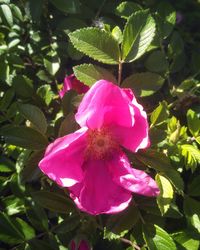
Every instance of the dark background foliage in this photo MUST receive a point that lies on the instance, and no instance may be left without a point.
(35, 56)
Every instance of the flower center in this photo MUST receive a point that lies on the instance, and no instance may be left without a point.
(101, 144)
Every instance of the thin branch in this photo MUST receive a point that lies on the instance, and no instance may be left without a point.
(120, 73)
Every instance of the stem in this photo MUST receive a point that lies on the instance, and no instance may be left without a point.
(120, 73)
(100, 9)
(130, 243)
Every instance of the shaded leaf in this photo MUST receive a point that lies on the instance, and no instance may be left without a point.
(69, 6)
(156, 62)
(35, 116)
(144, 84)
(24, 137)
(53, 201)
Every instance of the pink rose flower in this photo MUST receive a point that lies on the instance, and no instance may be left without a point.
(91, 162)
(71, 82)
(82, 245)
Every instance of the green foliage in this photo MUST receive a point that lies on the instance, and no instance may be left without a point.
(142, 45)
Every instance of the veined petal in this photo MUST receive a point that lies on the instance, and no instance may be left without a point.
(134, 180)
(104, 104)
(98, 193)
(64, 157)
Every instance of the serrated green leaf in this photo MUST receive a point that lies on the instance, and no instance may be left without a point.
(69, 6)
(7, 14)
(24, 137)
(157, 62)
(53, 201)
(97, 44)
(144, 84)
(126, 9)
(35, 116)
(89, 74)
(157, 238)
(191, 156)
(166, 193)
(137, 36)
(193, 122)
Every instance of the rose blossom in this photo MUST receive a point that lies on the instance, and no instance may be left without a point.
(82, 245)
(71, 82)
(91, 162)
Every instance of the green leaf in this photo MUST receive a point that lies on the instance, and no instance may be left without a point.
(126, 9)
(69, 224)
(53, 201)
(97, 44)
(89, 74)
(26, 229)
(191, 156)
(17, 12)
(166, 16)
(166, 193)
(193, 188)
(192, 212)
(143, 84)
(69, 6)
(137, 36)
(6, 165)
(45, 93)
(52, 64)
(185, 241)
(161, 163)
(7, 99)
(160, 114)
(157, 239)
(31, 172)
(7, 14)
(37, 216)
(123, 221)
(23, 86)
(117, 34)
(156, 62)
(35, 116)
(13, 205)
(24, 137)
(9, 231)
(193, 122)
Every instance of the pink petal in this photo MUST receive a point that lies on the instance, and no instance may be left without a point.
(71, 82)
(137, 136)
(98, 193)
(63, 159)
(83, 245)
(134, 180)
(104, 104)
